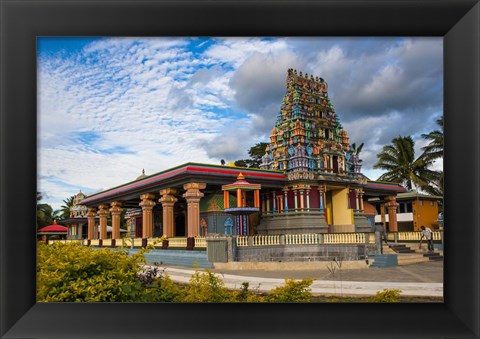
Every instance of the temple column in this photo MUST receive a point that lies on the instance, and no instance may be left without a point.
(382, 214)
(103, 214)
(244, 199)
(92, 213)
(307, 191)
(360, 199)
(321, 191)
(285, 193)
(392, 213)
(225, 199)
(256, 199)
(264, 204)
(193, 196)
(357, 205)
(168, 202)
(116, 210)
(302, 203)
(295, 197)
(239, 197)
(274, 207)
(147, 204)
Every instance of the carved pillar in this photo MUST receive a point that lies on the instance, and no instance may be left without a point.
(225, 199)
(302, 200)
(356, 207)
(285, 193)
(392, 213)
(382, 215)
(360, 199)
(116, 210)
(307, 191)
(92, 213)
(239, 197)
(168, 202)
(147, 204)
(321, 191)
(103, 214)
(193, 196)
(256, 199)
(274, 207)
(295, 197)
(264, 204)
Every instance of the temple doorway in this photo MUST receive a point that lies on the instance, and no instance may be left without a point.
(180, 226)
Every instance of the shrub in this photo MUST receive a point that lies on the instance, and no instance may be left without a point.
(292, 291)
(71, 272)
(245, 295)
(387, 296)
(205, 287)
(158, 287)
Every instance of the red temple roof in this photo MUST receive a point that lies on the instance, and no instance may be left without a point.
(53, 228)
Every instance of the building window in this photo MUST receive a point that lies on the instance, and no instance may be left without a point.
(421, 202)
(431, 203)
(409, 208)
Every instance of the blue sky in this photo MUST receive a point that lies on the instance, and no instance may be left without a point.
(109, 107)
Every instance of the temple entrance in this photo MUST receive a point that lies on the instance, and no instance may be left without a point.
(180, 226)
(228, 226)
(138, 227)
(84, 231)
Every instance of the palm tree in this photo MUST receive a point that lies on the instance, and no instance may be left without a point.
(398, 159)
(44, 215)
(435, 187)
(357, 150)
(434, 150)
(65, 208)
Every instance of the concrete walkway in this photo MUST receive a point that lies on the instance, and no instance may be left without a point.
(423, 279)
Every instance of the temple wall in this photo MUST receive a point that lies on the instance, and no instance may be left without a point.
(323, 252)
(293, 223)
(342, 215)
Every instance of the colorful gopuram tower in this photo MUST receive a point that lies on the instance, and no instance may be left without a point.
(309, 144)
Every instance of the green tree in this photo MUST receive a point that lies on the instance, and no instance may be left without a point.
(44, 212)
(401, 166)
(65, 208)
(434, 150)
(256, 153)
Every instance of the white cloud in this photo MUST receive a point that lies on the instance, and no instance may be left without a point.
(123, 104)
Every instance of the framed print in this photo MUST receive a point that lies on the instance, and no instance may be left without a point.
(23, 22)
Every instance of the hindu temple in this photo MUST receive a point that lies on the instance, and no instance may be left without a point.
(309, 182)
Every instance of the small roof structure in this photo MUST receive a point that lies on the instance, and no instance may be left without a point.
(241, 183)
(53, 229)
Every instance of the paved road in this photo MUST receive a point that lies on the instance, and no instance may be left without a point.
(422, 279)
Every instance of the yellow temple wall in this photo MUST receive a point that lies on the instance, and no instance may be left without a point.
(342, 215)
(426, 215)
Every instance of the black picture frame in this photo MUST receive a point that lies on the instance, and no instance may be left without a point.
(23, 20)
